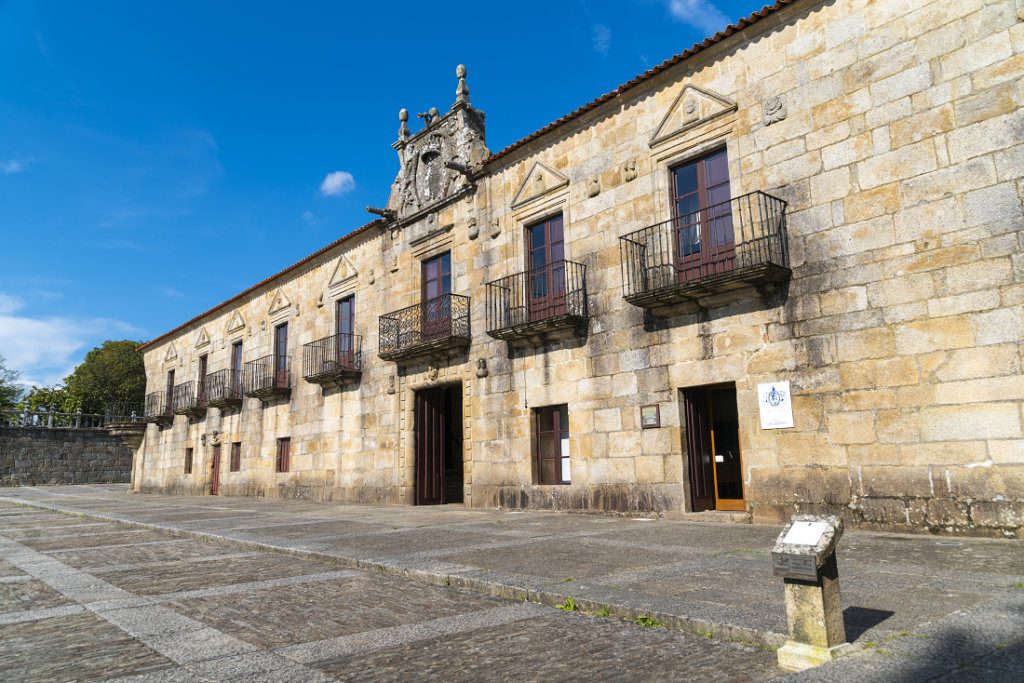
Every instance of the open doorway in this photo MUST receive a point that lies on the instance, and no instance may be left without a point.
(438, 433)
(713, 448)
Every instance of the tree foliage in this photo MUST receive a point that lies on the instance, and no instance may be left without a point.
(9, 388)
(111, 373)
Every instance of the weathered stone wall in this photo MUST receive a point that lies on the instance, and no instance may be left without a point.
(900, 156)
(35, 456)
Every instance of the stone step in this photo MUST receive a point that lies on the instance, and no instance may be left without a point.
(721, 516)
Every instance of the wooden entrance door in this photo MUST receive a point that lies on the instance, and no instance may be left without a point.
(438, 435)
(546, 275)
(713, 447)
(705, 241)
(437, 281)
(215, 481)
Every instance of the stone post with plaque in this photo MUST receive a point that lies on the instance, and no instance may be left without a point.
(804, 555)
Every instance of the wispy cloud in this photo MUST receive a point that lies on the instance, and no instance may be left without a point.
(171, 293)
(337, 183)
(602, 39)
(308, 216)
(701, 14)
(45, 349)
(12, 166)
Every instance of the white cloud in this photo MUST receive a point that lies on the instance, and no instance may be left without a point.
(337, 183)
(11, 166)
(701, 14)
(602, 39)
(45, 350)
(308, 216)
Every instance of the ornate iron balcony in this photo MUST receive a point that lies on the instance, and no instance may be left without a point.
(267, 377)
(333, 359)
(189, 399)
(224, 388)
(157, 408)
(438, 326)
(707, 258)
(539, 304)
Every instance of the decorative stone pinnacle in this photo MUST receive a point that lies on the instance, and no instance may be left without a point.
(403, 130)
(462, 91)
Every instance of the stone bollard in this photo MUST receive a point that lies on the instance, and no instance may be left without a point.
(805, 556)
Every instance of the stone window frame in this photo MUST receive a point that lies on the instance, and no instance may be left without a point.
(536, 211)
(558, 428)
(688, 151)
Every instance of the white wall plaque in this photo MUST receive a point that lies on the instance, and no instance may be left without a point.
(775, 404)
(805, 533)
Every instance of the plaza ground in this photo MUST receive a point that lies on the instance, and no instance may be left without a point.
(96, 584)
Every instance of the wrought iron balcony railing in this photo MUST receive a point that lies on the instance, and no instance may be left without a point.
(333, 359)
(157, 408)
(189, 399)
(538, 303)
(224, 388)
(437, 326)
(708, 256)
(267, 377)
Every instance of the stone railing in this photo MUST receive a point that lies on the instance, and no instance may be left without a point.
(51, 419)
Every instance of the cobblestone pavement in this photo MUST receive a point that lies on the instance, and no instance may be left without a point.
(358, 592)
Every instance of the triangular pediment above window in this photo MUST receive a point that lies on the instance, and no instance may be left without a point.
(692, 107)
(203, 338)
(344, 272)
(172, 353)
(236, 322)
(540, 181)
(278, 302)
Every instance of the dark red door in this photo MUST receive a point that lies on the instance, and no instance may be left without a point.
(169, 398)
(345, 321)
(236, 371)
(546, 276)
(215, 481)
(437, 282)
(281, 356)
(705, 242)
(699, 451)
(202, 381)
(431, 439)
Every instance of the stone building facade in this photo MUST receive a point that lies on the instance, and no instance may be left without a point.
(818, 208)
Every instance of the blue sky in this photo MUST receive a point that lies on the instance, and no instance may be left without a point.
(158, 157)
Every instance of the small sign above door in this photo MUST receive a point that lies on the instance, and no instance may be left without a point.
(775, 404)
(650, 416)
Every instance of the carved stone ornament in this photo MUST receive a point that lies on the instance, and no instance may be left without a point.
(371, 279)
(496, 229)
(629, 170)
(202, 439)
(692, 107)
(435, 163)
(774, 109)
(481, 368)
(432, 371)
(473, 231)
(320, 300)
(391, 384)
(215, 438)
(593, 187)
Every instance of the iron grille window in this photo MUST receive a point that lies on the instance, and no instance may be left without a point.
(236, 456)
(284, 448)
(551, 444)
(188, 461)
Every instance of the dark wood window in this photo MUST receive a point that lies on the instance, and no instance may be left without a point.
(703, 216)
(551, 444)
(236, 368)
(281, 355)
(345, 325)
(201, 384)
(284, 454)
(188, 461)
(437, 281)
(236, 456)
(169, 399)
(545, 247)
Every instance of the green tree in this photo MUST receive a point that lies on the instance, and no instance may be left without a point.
(10, 390)
(44, 398)
(111, 373)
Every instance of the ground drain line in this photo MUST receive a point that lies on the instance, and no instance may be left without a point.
(675, 622)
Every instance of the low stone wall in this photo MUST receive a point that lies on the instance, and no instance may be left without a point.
(33, 456)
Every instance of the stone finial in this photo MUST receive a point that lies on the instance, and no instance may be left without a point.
(462, 91)
(403, 130)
